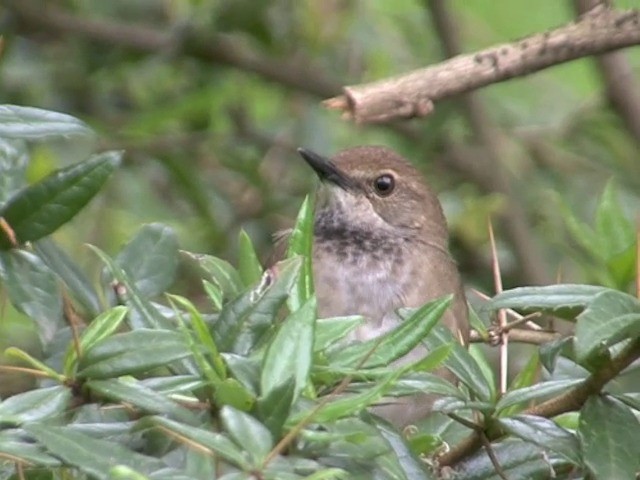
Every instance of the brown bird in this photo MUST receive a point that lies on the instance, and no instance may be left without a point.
(381, 243)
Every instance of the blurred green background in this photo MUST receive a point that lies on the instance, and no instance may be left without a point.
(210, 98)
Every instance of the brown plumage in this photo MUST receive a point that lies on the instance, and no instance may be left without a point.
(381, 243)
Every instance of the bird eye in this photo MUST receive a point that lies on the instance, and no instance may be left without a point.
(384, 185)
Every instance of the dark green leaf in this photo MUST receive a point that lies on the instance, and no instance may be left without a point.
(535, 392)
(150, 259)
(610, 318)
(90, 455)
(290, 352)
(231, 392)
(38, 124)
(460, 362)
(217, 442)
(140, 396)
(610, 436)
(14, 159)
(273, 409)
(221, 273)
(33, 290)
(550, 351)
(244, 321)
(143, 313)
(545, 434)
(132, 352)
(525, 378)
(70, 273)
(35, 405)
(300, 244)
(14, 445)
(395, 343)
(248, 432)
(249, 266)
(41, 208)
(564, 299)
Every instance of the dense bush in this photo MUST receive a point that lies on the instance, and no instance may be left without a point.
(135, 382)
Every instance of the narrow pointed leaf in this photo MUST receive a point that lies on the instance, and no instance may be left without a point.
(248, 432)
(35, 405)
(40, 209)
(300, 244)
(289, 354)
(221, 273)
(249, 266)
(395, 343)
(330, 331)
(539, 391)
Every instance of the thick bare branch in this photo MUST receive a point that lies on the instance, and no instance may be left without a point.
(599, 31)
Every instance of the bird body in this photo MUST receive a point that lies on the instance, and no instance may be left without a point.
(381, 243)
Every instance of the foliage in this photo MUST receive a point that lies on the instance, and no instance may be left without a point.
(253, 385)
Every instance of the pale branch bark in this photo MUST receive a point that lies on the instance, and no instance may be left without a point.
(599, 31)
(569, 401)
(622, 90)
(519, 335)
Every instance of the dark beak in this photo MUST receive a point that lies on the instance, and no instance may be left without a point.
(326, 169)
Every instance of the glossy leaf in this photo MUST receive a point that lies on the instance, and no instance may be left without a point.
(70, 273)
(545, 434)
(248, 432)
(34, 405)
(101, 327)
(33, 290)
(37, 124)
(564, 299)
(329, 331)
(290, 352)
(394, 344)
(549, 352)
(140, 396)
(14, 159)
(150, 259)
(90, 455)
(610, 437)
(13, 444)
(273, 408)
(217, 442)
(249, 266)
(612, 317)
(221, 274)
(538, 391)
(132, 352)
(41, 208)
(300, 244)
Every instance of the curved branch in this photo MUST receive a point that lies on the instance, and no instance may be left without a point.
(599, 31)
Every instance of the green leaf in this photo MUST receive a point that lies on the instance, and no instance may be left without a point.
(217, 442)
(610, 436)
(460, 362)
(549, 352)
(290, 353)
(244, 322)
(33, 290)
(249, 266)
(14, 445)
(143, 314)
(613, 228)
(13, 352)
(221, 272)
(610, 318)
(330, 331)
(248, 432)
(300, 244)
(101, 327)
(150, 259)
(37, 124)
(231, 392)
(41, 208)
(70, 273)
(132, 352)
(273, 409)
(142, 397)
(14, 159)
(525, 378)
(395, 343)
(92, 456)
(35, 405)
(420, 382)
(545, 434)
(564, 299)
(535, 392)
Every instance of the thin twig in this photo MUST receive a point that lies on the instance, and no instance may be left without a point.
(502, 316)
(513, 313)
(492, 456)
